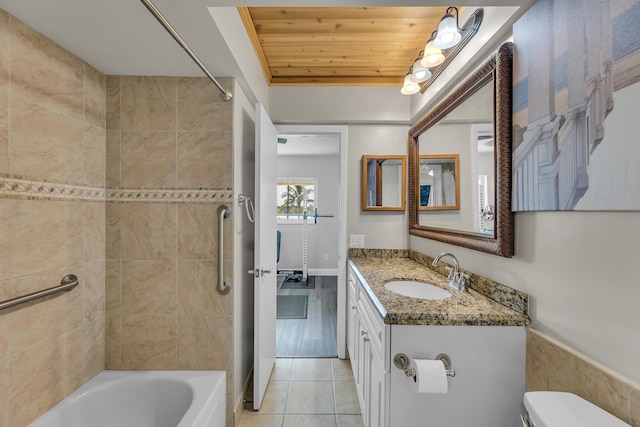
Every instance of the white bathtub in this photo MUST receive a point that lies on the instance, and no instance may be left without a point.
(143, 399)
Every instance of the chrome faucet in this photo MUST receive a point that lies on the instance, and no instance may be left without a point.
(455, 279)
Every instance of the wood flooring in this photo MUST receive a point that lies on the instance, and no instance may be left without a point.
(314, 336)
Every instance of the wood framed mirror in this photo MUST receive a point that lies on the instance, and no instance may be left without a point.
(477, 112)
(383, 182)
(439, 182)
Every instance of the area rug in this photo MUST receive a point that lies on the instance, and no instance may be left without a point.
(291, 283)
(292, 306)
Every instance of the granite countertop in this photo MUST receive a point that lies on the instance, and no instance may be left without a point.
(462, 308)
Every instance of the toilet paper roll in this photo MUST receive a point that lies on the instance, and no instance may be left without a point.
(431, 376)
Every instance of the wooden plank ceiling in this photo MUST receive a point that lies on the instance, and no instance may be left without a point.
(361, 46)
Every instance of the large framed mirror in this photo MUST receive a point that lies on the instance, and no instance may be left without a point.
(474, 122)
(383, 182)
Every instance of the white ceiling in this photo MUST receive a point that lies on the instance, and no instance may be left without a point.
(121, 37)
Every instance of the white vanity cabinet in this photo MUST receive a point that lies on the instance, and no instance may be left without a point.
(366, 341)
(489, 364)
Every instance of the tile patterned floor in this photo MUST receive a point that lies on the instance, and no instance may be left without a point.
(305, 392)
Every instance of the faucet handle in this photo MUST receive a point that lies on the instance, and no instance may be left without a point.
(462, 278)
(450, 274)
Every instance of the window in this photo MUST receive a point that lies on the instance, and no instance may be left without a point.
(295, 197)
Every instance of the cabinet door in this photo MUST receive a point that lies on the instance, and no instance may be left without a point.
(352, 306)
(362, 349)
(376, 401)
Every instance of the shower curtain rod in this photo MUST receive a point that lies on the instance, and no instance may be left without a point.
(167, 26)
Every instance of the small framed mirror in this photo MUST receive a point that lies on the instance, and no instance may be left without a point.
(439, 182)
(383, 182)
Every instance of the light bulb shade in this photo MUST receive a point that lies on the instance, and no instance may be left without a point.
(410, 86)
(448, 34)
(432, 56)
(420, 72)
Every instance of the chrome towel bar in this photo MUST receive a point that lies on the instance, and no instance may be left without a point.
(68, 282)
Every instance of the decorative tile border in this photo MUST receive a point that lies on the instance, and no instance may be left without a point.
(169, 195)
(20, 188)
(24, 188)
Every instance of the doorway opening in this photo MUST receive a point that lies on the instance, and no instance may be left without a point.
(308, 200)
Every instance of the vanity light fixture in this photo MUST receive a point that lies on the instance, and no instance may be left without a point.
(432, 56)
(448, 31)
(410, 85)
(448, 37)
(420, 71)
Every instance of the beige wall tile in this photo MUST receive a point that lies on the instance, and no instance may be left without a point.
(113, 159)
(148, 231)
(112, 230)
(635, 406)
(43, 376)
(4, 393)
(95, 98)
(113, 335)
(113, 286)
(4, 341)
(4, 130)
(148, 159)
(5, 241)
(557, 368)
(5, 49)
(148, 103)
(93, 349)
(197, 231)
(149, 342)
(45, 72)
(148, 287)
(200, 105)
(205, 159)
(5, 290)
(197, 290)
(113, 296)
(95, 146)
(113, 102)
(45, 143)
(93, 292)
(94, 231)
(44, 236)
(45, 320)
(205, 342)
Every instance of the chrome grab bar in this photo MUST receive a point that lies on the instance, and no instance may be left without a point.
(223, 212)
(68, 282)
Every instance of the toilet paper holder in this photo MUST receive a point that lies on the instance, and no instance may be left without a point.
(401, 361)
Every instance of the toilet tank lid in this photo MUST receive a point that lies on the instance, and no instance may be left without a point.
(559, 409)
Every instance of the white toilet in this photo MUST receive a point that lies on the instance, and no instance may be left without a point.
(559, 409)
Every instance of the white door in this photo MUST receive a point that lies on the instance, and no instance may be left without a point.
(264, 356)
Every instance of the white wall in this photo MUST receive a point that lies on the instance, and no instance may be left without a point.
(322, 238)
(381, 229)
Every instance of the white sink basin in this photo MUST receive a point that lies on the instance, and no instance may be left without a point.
(420, 290)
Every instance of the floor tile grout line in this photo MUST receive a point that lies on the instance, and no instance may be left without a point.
(335, 400)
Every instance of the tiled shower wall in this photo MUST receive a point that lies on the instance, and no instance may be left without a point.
(169, 167)
(52, 216)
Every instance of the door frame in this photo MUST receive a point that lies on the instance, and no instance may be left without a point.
(341, 131)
